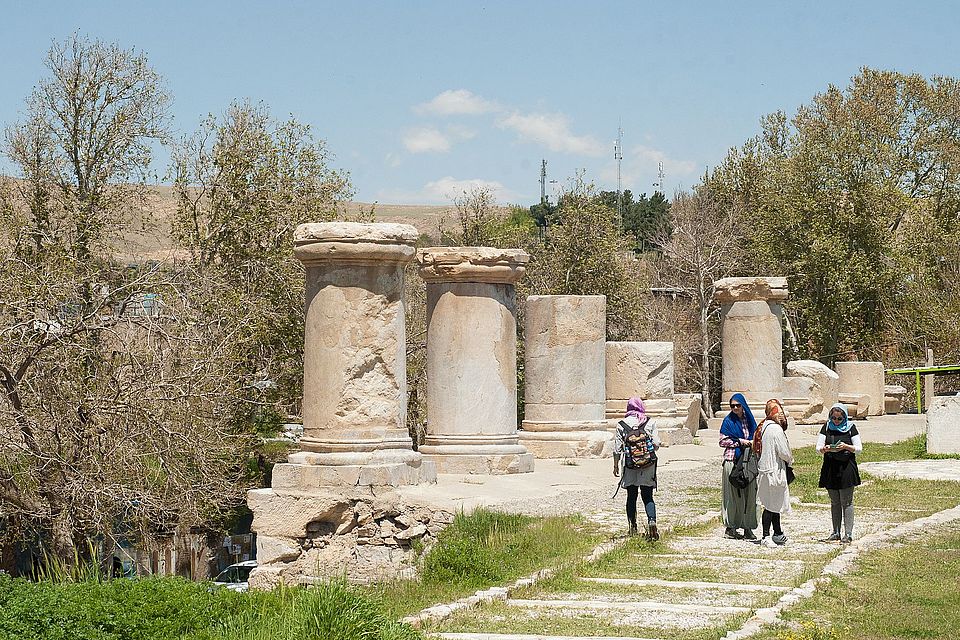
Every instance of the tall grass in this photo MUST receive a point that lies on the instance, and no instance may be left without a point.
(484, 549)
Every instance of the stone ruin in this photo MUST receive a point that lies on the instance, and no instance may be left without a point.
(564, 377)
(472, 360)
(752, 346)
(332, 507)
(646, 370)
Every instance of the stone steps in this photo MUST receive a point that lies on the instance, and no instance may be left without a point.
(524, 636)
(680, 584)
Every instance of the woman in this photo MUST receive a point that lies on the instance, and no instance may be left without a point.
(839, 442)
(772, 488)
(739, 505)
(641, 480)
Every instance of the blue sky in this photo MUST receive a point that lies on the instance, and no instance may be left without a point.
(418, 100)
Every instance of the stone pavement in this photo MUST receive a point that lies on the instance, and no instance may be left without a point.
(694, 582)
(916, 469)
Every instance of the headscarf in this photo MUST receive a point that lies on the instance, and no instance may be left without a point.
(732, 426)
(844, 426)
(636, 410)
(775, 412)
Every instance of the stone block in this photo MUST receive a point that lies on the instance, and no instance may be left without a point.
(893, 398)
(943, 425)
(639, 369)
(864, 378)
(568, 444)
(272, 549)
(858, 405)
(822, 391)
(486, 464)
(287, 515)
(688, 407)
(748, 289)
(265, 578)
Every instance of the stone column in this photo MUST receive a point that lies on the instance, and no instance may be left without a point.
(472, 360)
(565, 377)
(864, 379)
(751, 337)
(645, 370)
(354, 361)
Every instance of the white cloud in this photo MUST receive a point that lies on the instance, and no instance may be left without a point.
(553, 131)
(425, 140)
(457, 102)
(443, 190)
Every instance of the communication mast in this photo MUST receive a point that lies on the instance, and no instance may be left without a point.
(659, 183)
(618, 156)
(543, 182)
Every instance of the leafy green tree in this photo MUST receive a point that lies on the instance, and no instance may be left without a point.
(643, 219)
(244, 181)
(855, 199)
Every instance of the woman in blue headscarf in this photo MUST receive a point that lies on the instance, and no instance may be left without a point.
(739, 505)
(839, 442)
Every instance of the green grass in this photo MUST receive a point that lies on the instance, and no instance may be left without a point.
(908, 591)
(485, 549)
(177, 609)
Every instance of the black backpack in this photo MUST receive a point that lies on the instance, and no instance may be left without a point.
(638, 448)
(745, 469)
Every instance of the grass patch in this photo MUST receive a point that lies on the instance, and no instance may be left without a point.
(484, 549)
(908, 591)
(177, 609)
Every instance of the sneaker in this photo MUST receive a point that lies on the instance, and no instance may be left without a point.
(768, 543)
(846, 539)
(652, 534)
(748, 534)
(834, 537)
(779, 540)
(732, 534)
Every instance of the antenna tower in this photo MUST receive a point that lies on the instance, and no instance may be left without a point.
(618, 156)
(659, 183)
(543, 182)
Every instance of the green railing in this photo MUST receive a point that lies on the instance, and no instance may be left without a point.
(917, 372)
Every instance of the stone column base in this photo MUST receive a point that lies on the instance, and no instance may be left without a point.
(305, 471)
(478, 454)
(588, 439)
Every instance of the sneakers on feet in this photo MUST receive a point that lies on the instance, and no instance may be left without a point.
(768, 543)
(732, 534)
(779, 540)
(652, 532)
(834, 537)
(846, 539)
(748, 534)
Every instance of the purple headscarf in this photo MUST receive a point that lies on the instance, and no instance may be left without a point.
(635, 408)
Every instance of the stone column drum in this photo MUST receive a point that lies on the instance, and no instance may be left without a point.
(354, 378)
(752, 339)
(645, 370)
(472, 360)
(565, 377)
(865, 379)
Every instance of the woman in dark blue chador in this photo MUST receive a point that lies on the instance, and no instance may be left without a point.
(739, 505)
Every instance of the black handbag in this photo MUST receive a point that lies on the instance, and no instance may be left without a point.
(791, 476)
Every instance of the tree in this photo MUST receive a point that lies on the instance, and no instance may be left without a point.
(643, 219)
(855, 199)
(113, 381)
(243, 183)
(704, 245)
(586, 255)
(84, 147)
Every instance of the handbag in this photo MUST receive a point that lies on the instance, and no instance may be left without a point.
(791, 476)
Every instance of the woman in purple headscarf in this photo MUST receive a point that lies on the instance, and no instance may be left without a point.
(739, 505)
(635, 462)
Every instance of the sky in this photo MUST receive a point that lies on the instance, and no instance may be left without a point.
(420, 101)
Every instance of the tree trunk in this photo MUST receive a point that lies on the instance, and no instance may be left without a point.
(706, 391)
(63, 549)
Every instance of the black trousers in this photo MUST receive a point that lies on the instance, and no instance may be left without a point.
(646, 494)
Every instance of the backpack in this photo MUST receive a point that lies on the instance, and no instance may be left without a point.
(745, 469)
(638, 447)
